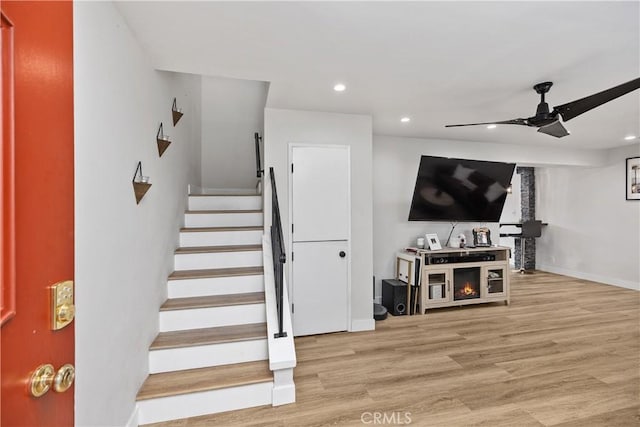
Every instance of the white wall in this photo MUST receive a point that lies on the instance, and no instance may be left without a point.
(290, 126)
(123, 250)
(593, 232)
(232, 111)
(395, 167)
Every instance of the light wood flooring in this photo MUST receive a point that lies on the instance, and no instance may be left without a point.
(212, 301)
(566, 352)
(201, 379)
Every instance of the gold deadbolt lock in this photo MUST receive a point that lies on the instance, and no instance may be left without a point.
(64, 378)
(41, 380)
(62, 311)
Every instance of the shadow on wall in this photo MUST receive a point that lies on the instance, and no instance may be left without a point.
(232, 111)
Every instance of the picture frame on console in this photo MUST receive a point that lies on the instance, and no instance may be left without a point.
(481, 237)
(433, 242)
(633, 178)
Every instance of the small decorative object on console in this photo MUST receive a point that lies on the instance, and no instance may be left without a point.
(433, 242)
(481, 236)
(462, 239)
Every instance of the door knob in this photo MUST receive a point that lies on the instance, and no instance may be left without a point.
(342, 254)
(64, 378)
(41, 380)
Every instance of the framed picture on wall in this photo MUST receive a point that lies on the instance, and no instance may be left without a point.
(633, 178)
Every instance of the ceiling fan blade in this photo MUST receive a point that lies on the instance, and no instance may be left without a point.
(573, 109)
(554, 129)
(522, 122)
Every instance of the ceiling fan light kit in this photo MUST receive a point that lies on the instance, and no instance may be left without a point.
(550, 122)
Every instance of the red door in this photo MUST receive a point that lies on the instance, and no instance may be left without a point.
(37, 206)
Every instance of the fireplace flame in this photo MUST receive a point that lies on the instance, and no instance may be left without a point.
(467, 291)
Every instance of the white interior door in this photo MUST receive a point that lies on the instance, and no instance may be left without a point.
(320, 214)
(320, 193)
(320, 287)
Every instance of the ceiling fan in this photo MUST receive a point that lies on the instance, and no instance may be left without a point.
(549, 121)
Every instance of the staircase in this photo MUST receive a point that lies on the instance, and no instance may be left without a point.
(212, 352)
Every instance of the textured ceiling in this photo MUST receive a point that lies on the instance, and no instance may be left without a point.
(436, 62)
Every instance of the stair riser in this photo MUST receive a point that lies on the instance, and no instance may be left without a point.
(218, 260)
(225, 202)
(215, 286)
(202, 403)
(222, 219)
(220, 238)
(177, 359)
(179, 320)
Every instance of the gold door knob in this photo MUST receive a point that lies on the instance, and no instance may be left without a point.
(41, 380)
(64, 378)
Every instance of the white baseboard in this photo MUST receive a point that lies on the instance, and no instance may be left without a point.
(592, 277)
(284, 389)
(358, 325)
(133, 419)
(283, 395)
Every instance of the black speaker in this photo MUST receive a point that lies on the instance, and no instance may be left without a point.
(394, 296)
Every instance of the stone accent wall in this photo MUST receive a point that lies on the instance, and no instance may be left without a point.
(528, 212)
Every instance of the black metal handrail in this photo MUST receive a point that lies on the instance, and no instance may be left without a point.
(259, 170)
(277, 248)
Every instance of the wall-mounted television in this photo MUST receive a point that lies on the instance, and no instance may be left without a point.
(460, 190)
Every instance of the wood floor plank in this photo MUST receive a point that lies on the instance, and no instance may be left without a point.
(216, 272)
(226, 194)
(219, 229)
(627, 417)
(578, 405)
(205, 336)
(213, 301)
(217, 249)
(564, 352)
(225, 211)
(202, 379)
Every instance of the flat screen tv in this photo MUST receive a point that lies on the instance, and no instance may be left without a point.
(460, 190)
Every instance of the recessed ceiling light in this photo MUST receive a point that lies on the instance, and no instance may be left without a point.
(630, 137)
(492, 126)
(339, 87)
(405, 119)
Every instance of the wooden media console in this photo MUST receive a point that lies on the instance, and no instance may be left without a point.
(456, 277)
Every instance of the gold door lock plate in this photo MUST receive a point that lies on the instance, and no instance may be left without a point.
(41, 380)
(62, 311)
